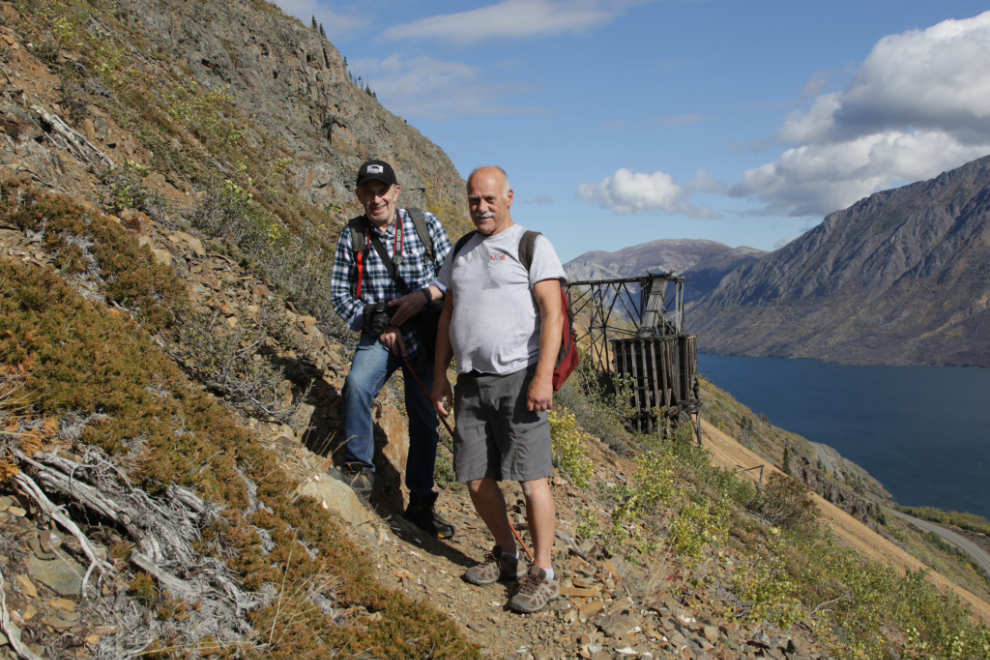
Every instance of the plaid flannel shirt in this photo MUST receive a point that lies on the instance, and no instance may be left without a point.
(378, 286)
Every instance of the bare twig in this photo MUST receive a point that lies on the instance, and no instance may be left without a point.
(57, 514)
(12, 632)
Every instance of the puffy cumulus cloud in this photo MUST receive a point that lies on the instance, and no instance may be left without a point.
(918, 105)
(817, 179)
(426, 88)
(513, 19)
(638, 192)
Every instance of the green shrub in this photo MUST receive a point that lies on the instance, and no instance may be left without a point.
(235, 362)
(768, 590)
(126, 184)
(570, 452)
(601, 406)
(787, 503)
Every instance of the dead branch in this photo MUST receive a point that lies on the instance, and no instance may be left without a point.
(70, 139)
(166, 530)
(57, 514)
(12, 632)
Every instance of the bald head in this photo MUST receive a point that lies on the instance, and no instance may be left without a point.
(489, 199)
(492, 170)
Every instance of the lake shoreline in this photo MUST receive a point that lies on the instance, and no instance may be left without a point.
(920, 431)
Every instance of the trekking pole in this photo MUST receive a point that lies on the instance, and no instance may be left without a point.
(451, 432)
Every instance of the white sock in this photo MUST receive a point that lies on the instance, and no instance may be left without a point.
(550, 573)
(514, 556)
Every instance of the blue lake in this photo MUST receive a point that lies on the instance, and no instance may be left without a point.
(923, 432)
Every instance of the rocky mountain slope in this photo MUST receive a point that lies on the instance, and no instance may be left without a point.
(901, 277)
(703, 262)
(170, 381)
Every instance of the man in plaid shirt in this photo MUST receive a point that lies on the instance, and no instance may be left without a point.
(359, 282)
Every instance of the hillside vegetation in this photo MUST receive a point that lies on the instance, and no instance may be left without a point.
(172, 177)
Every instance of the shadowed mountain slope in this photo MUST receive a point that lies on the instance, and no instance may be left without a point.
(901, 277)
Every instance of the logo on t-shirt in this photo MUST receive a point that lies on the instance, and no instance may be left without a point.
(495, 259)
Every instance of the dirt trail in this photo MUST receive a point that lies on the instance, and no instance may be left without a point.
(849, 531)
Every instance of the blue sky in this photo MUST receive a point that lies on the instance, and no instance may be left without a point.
(626, 121)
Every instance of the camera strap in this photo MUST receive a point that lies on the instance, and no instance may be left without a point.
(389, 264)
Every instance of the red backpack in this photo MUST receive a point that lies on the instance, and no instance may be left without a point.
(567, 356)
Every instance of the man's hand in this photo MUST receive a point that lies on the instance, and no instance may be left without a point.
(539, 397)
(408, 307)
(442, 394)
(392, 339)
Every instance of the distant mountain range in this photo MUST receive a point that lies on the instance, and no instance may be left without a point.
(705, 263)
(901, 277)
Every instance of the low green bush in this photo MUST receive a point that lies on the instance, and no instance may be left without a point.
(236, 362)
(570, 452)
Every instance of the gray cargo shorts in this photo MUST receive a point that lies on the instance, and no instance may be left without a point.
(496, 436)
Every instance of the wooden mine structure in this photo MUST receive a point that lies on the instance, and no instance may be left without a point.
(636, 331)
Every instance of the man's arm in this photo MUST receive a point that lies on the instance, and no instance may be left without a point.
(410, 304)
(442, 392)
(540, 394)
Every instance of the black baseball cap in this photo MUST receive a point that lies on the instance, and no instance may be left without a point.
(377, 170)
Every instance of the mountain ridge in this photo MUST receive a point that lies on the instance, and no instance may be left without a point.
(901, 277)
(702, 261)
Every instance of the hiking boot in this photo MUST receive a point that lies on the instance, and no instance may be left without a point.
(361, 480)
(497, 566)
(422, 512)
(535, 591)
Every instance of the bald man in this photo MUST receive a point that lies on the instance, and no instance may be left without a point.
(502, 321)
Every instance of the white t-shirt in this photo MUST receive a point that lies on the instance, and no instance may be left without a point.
(496, 324)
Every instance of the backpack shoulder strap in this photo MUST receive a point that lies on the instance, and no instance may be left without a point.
(358, 235)
(358, 241)
(419, 222)
(461, 242)
(527, 244)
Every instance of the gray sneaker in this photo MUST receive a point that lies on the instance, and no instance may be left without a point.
(497, 566)
(535, 591)
(361, 480)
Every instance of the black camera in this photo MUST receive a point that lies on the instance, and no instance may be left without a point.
(377, 317)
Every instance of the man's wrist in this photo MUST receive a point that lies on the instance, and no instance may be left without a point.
(427, 294)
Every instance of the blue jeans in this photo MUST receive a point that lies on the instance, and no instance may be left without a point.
(373, 365)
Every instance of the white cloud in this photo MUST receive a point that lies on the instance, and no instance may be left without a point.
(513, 19)
(678, 120)
(816, 179)
(918, 105)
(338, 25)
(703, 182)
(815, 86)
(638, 192)
(425, 88)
